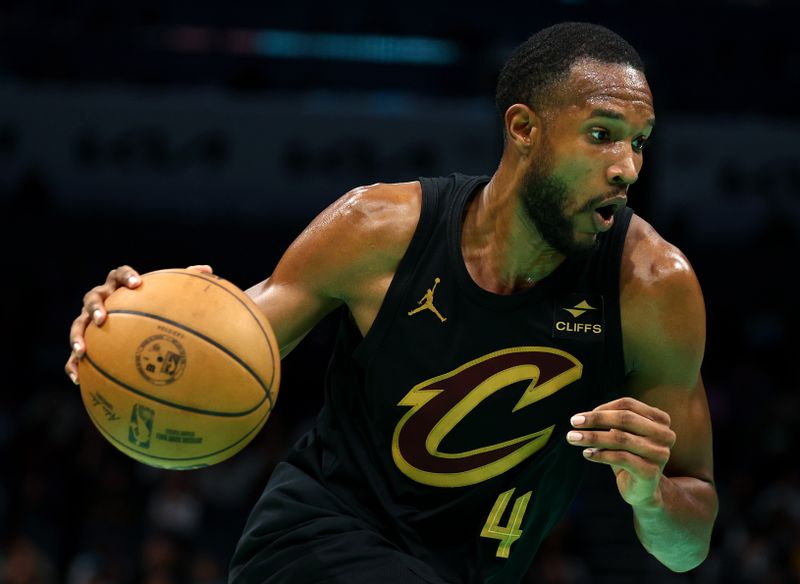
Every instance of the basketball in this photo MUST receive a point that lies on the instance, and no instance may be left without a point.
(184, 371)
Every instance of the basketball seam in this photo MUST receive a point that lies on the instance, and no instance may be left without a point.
(234, 356)
(239, 300)
(122, 444)
(110, 377)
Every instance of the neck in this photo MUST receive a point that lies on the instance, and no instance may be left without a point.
(503, 251)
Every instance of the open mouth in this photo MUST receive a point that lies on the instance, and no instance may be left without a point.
(603, 215)
(606, 211)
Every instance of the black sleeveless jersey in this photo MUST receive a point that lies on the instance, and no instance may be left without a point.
(443, 429)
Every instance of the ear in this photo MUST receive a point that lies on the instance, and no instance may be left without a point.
(522, 124)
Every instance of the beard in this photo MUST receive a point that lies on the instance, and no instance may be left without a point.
(544, 197)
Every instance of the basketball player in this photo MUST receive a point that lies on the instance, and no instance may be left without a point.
(498, 334)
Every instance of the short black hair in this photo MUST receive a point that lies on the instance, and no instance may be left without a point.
(547, 56)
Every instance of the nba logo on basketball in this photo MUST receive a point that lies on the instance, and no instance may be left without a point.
(141, 427)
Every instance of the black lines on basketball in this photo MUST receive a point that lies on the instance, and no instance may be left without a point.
(132, 389)
(239, 300)
(198, 334)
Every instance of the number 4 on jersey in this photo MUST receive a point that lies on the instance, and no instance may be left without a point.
(510, 532)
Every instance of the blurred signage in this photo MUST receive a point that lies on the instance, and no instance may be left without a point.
(726, 180)
(198, 152)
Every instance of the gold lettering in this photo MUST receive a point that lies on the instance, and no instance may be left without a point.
(580, 327)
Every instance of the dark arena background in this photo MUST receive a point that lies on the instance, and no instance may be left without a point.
(162, 135)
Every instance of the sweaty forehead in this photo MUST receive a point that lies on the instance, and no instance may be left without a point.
(593, 85)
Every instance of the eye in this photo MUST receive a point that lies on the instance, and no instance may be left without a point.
(640, 143)
(599, 134)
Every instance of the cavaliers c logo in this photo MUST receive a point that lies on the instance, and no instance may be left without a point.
(439, 404)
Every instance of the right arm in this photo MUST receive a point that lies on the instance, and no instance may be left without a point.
(348, 254)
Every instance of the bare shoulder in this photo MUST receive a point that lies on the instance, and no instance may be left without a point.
(662, 304)
(364, 232)
(650, 260)
(374, 225)
(385, 214)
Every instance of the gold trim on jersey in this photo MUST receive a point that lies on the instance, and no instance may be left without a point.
(486, 461)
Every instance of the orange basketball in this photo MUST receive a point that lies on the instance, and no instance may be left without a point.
(184, 371)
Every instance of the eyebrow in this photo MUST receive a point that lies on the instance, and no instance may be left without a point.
(605, 113)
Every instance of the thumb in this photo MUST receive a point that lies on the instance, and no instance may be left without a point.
(202, 268)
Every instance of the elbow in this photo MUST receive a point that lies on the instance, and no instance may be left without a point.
(688, 561)
(686, 553)
(681, 540)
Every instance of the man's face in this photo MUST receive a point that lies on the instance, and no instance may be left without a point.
(588, 154)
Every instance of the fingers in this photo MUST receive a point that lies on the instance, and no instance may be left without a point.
(71, 368)
(624, 432)
(76, 333)
(77, 345)
(202, 268)
(625, 423)
(94, 300)
(634, 405)
(94, 310)
(618, 446)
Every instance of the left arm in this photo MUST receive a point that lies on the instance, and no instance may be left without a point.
(658, 441)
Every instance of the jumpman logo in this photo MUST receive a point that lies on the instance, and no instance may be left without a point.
(426, 302)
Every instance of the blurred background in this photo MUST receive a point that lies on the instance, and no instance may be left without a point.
(167, 134)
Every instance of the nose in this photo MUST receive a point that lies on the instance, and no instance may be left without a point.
(624, 171)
